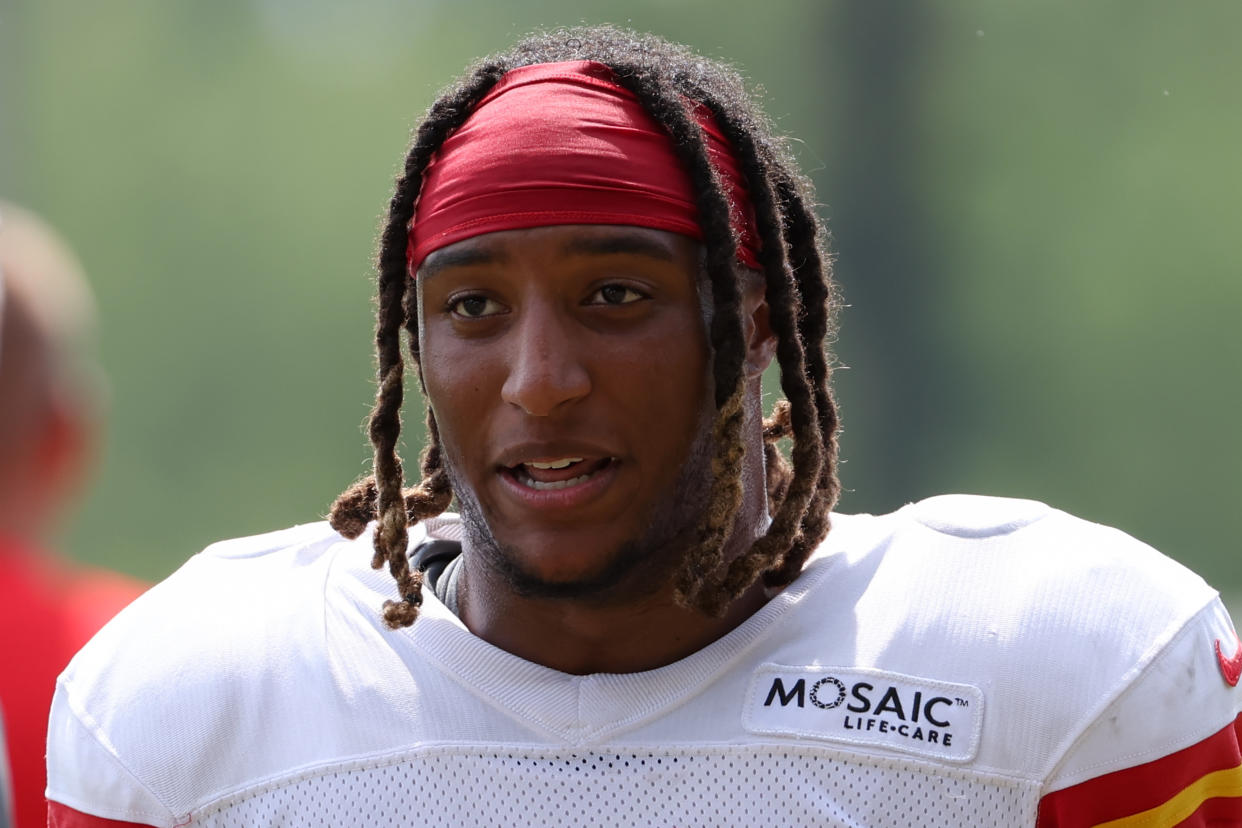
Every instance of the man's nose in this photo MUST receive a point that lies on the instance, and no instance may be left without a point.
(546, 368)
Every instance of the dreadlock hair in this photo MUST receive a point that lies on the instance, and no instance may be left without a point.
(668, 80)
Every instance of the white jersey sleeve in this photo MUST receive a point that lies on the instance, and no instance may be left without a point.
(100, 780)
(1166, 750)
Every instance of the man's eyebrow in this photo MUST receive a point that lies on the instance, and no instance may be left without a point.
(462, 257)
(631, 243)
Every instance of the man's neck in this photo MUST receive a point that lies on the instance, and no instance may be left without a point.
(580, 636)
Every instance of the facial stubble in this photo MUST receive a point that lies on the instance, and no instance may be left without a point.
(638, 568)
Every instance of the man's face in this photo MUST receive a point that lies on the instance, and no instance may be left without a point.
(568, 370)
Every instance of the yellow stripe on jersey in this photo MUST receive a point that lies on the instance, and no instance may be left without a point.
(1221, 783)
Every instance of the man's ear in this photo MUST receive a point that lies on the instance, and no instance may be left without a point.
(756, 325)
(66, 449)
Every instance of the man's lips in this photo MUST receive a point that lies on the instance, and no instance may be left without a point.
(559, 475)
(553, 452)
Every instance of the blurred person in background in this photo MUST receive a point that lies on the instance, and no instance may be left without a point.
(6, 787)
(51, 399)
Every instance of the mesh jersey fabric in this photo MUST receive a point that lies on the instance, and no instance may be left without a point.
(258, 686)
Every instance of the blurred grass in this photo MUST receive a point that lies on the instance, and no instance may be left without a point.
(221, 169)
(1233, 602)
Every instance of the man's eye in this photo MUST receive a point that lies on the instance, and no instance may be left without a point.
(615, 295)
(474, 307)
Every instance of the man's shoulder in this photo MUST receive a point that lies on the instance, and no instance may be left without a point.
(991, 561)
(1048, 616)
(309, 537)
(1067, 575)
(264, 595)
(234, 600)
(1026, 545)
(220, 665)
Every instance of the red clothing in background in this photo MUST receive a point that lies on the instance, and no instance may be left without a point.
(49, 608)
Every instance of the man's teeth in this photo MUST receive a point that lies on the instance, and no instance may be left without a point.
(556, 464)
(556, 484)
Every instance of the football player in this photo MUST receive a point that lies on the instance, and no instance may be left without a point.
(640, 612)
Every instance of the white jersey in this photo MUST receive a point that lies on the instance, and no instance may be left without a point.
(964, 661)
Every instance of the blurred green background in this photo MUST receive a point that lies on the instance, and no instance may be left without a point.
(1035, 209)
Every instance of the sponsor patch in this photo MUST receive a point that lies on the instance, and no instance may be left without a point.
(866, 707)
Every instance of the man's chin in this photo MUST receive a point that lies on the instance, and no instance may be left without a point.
(621, 574)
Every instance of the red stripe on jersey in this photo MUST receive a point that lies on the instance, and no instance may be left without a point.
(62, 816)
(1215, 813)
(1131, 791)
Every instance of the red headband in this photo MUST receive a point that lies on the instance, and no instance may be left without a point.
(563, 143)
